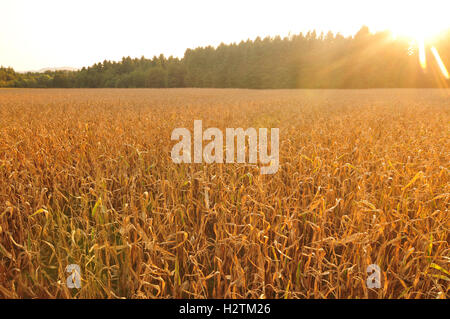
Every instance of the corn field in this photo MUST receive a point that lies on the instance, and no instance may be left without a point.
(86, 178)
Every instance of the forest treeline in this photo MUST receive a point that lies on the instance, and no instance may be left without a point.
(365, 60)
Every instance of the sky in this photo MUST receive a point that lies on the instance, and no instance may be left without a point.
(76, 33)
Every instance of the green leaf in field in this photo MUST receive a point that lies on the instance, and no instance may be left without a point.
(29, 242)
(39, 211)
(298, 273)
(177, 272)
(182, 217)
(441, 277)
(430, 248)
(417, 176)
(286, 295)
(433, 265)
(97, 204)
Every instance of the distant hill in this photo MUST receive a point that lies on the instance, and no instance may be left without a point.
(63, 68)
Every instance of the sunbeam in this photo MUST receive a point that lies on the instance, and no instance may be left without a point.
(422, 54)
(440, 63)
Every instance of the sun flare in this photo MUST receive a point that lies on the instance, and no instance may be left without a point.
(421, 22)
(440, 63)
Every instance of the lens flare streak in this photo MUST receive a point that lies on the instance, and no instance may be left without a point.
(440, 63)
(422, 54)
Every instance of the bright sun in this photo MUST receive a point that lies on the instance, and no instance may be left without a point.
(421, 21)
(418, 19)
(417, 30)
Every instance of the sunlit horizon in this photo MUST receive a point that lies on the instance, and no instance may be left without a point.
(76, 34)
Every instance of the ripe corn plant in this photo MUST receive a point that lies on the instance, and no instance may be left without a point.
(86, 178)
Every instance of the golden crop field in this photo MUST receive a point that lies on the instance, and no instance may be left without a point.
(86, 178)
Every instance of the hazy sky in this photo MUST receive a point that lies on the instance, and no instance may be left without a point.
(55, 33)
